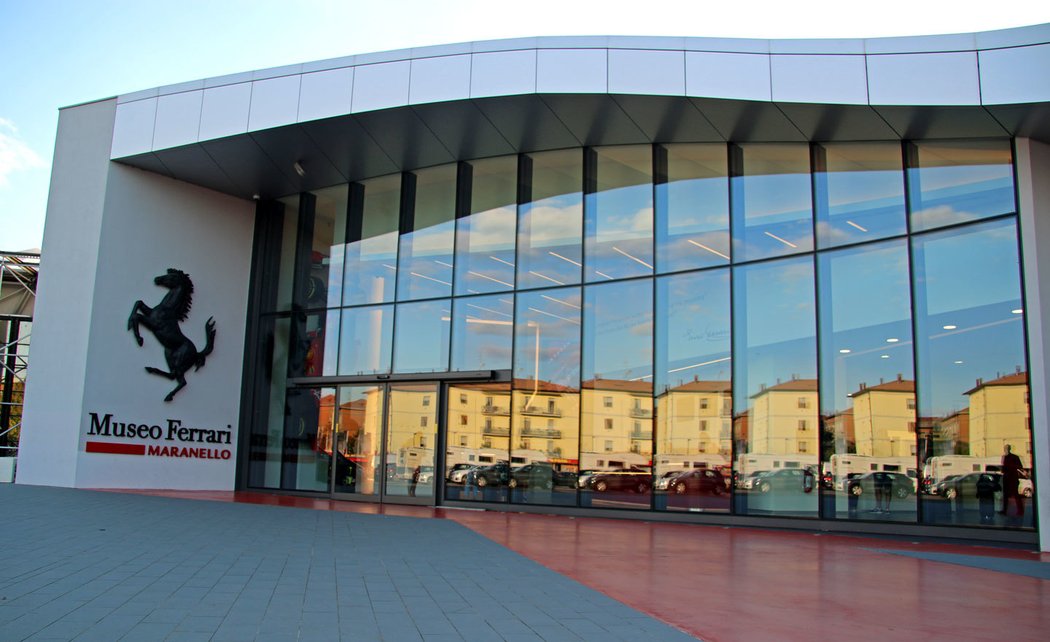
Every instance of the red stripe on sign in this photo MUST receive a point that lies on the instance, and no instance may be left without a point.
(115, 449)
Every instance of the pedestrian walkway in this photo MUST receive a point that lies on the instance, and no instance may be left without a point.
(90, 565)
(261, 568)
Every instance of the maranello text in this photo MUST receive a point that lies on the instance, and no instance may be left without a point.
(174, 431)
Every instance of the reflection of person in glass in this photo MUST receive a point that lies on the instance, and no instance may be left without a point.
(883, 492)
(987, 486)
(1011, 481)
(415, 481)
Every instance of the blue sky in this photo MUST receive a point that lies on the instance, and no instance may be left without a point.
(55, 53)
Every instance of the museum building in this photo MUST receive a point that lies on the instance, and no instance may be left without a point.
(792, 283)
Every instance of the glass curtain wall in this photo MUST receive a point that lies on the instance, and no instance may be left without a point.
(829, 330)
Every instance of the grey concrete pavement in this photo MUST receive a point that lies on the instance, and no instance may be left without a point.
(90, 565)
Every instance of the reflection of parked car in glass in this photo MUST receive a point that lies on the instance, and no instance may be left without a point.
(794, 479)
(457, 473)
(748, 481)
(1024, 483)
(965, 486)
(632, 479)
(898, 484)
(426, 475)
(693, 481)
(522, 476)
(943, 485)
(494, 475)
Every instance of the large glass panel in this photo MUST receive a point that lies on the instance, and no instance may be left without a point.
(477, 444)
(694, 392)
(357, 443)
(775, 391)
(313, 350)
(869, 468)
(264, 455)
(320, 236)
(771, 200)
(619, 213)
(958, 181)
(286, 262)
(616, 435)
(485, 236)
(428, 236)
(859, 193)
(692, 207)
(546, 401)
(551, 219)
(973, 384)
(371, 248)
(482, 332)
(410, 439)
(307, 445)
(365, 339)
(422, 336)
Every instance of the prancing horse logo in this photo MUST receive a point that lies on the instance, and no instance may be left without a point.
(163, 321)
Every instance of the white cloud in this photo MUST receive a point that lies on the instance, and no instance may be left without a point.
(15, 155)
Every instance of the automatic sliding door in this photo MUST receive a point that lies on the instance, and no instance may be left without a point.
(411, 435)
(358, 440)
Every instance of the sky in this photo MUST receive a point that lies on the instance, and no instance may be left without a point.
(56, 53)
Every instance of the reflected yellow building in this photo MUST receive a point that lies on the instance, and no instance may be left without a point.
(617, 424)
(695, 418)
(783, 419)
(884, 419)
(999, 415)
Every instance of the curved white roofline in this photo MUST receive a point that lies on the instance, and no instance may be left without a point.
(650, 88)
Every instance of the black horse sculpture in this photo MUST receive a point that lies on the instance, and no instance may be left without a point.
(163, 321)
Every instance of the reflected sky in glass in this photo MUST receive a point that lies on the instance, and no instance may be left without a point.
(860, 194)
(693, 331)
(421, 336)
(617, 331)
(547, 337)
(692, 208)
(955, 182)
(365, 340)
(619, 214)
(482, 332)
(425, 267)
(485, 237)
(772, 201)
(371, 257)
(550, 223)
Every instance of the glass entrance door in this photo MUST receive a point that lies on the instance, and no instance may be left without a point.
(384, 442)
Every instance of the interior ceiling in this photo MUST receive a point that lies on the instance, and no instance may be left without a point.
(354, 147)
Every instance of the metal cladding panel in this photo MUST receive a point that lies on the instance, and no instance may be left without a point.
(353, 152)
(224, 111)
(572, 71)
(503, 73)
(837, 122)
(464, 130)
(633, 71)
(819, 79)
(275, 102)
(747, 121)
(250, 169)
(595, 119)
(133, 127)
(380, 86)
(192, 164)
(178, 119)
(324, 94)
(286, 146)
(1006, 75)
(439, 79)
(739, 76)
(668, 118)
(924, 79)
(941, 122)
(405, 138)
(527, 123)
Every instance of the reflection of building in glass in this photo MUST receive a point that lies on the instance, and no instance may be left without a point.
(999, 416)
(884, 419)
(695, 418)
(784, 419)
(617, 420)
